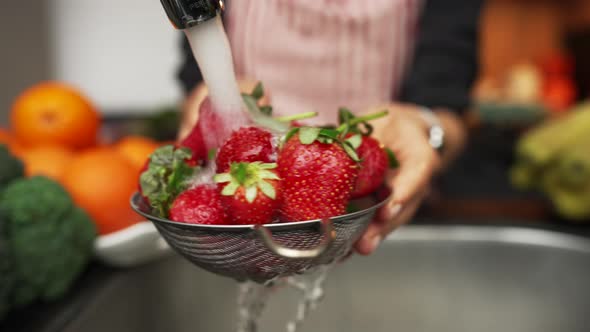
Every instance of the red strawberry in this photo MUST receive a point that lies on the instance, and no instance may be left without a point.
(195, 140)
(373, 167)
(375, 159)
(250, 192)
(318, 171)
(248, 144)
(200, 205)
(210, 130)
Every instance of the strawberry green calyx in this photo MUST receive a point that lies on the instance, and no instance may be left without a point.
(251, 177)
(308, 135)
(351, 123)
(262, 115)
(167, 175)
(296, 117)
(393, 162)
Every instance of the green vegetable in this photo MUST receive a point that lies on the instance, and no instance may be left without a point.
(48, 237)
(541, 147)
(7, 275)
(168, 175)
(10, 167)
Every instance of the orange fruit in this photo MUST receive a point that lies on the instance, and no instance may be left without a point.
(54, 113)
(50, 161)
(101, 181)
(8, 139)
(136, 149)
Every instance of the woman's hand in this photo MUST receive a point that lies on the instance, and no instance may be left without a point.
(406, 133)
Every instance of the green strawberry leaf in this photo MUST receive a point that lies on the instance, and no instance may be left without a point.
(365, 129)
(344, 115)
(230, 189)
(264, 174)
(251, 192)
(239, 171)
(351, 123)
(268, 166)
(261, 119)
(393, 162)
(251, 104)
(330, 133)
(222, 178)
(297, 117)
(350, 151)
(258, 91)
(291, 133)
(308, 135)
(266, 110)
(267, 189)
(355, 141)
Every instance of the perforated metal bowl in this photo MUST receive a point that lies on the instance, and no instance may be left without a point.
(263, 253)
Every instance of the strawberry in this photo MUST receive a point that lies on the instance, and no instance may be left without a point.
(247, 144)
(199, 205)
(374, 158)
(195, 140)
(374, 165)
(250, 192)
(210, 130)
(318, 170)
(168, 173)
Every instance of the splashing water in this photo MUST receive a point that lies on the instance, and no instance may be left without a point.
(212, 52)
(312, 293)
(253, 297)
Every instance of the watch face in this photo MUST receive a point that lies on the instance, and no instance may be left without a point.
(436, 133)
(436, 137)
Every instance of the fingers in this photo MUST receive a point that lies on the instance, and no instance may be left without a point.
(380, 228)
(414, 174)
(190, 111)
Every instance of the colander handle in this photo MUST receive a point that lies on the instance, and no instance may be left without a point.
(326, 229)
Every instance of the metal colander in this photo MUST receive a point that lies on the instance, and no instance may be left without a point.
(262, 253)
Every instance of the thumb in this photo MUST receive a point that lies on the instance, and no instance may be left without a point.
(413, 175)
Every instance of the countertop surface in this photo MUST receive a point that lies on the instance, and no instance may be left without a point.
(475, 190)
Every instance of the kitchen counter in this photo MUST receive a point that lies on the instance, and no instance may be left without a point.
(475, 190)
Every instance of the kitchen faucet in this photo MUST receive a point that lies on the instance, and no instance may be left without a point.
(184, 14)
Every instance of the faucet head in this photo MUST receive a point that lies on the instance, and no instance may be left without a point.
(184, 14)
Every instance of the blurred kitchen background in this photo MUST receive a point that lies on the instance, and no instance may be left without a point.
(122, 54)
(128, 61)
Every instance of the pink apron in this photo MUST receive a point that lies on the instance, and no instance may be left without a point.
(319, 55)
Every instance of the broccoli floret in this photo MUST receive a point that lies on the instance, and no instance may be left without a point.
(7, 276)
(50, 238)
(10, 167)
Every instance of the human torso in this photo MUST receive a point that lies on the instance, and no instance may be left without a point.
(323, 54)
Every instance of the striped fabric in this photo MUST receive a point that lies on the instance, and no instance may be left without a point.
(323, 54)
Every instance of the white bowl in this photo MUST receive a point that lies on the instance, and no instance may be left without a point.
(132, 246)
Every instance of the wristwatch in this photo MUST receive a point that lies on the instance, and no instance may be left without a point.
(436, 132)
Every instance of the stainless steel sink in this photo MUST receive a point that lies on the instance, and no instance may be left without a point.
(422, 279)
